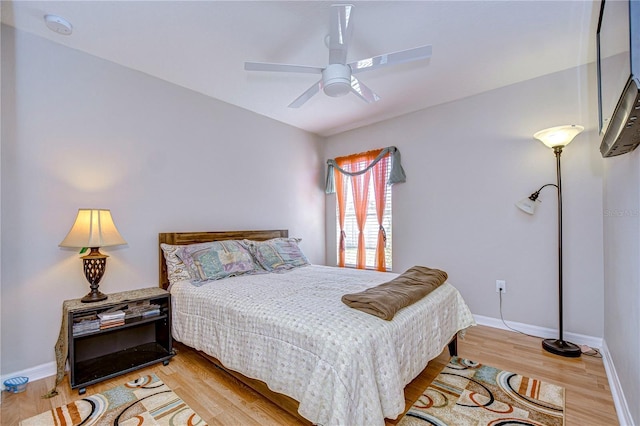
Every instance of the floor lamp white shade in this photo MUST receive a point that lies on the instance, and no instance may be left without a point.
(558, 136)
(527, 205)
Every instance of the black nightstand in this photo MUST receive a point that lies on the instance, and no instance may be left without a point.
(100, 352)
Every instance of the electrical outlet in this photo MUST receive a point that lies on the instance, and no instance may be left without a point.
(501, 286)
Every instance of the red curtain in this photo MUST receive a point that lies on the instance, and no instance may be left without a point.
(360, 187)
(380, 188)
(342, 197)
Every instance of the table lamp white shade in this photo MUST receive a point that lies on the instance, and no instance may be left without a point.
(93, 228)
(558, 136)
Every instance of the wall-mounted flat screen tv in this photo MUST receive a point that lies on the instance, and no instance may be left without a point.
(618, 62)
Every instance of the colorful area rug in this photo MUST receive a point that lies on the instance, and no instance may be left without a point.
(146, 401)
(468, 393)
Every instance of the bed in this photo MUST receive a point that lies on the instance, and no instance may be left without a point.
(289, 336)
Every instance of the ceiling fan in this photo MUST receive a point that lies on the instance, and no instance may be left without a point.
(338, 76)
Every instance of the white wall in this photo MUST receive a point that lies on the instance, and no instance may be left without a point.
(622, 272)
(78, 131)
(467, 163)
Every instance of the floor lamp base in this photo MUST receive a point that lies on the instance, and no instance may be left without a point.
(561, 347)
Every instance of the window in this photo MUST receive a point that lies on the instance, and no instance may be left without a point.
(366, 195)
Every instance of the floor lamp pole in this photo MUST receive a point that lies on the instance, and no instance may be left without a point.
(560, 346)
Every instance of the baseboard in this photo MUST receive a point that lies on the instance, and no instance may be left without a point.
(34, 373)
(622, 409)
(619, 401)
(542, 332)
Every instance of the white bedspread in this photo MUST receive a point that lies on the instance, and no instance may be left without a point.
(292, 331)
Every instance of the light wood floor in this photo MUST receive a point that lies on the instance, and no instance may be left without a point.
(221, 400)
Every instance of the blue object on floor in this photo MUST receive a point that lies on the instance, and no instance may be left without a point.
(16, 384)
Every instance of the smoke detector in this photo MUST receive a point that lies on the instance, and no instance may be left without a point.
(57, 24)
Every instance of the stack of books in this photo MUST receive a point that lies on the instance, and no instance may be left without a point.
(111, 318)
(86, 323)
(117, 315)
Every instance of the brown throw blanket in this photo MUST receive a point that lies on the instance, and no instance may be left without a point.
(388, 298)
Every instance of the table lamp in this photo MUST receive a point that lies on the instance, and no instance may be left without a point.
(93, 228)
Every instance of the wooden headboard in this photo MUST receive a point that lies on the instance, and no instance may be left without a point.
(184, 238)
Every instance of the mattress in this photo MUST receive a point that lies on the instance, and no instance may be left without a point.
(292, 331)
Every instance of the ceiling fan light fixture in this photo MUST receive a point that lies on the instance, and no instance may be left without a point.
(337, 77)
(336, 80)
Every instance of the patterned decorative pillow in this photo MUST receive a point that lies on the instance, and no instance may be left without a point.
(278, 254)
(218, 259)
(176, 269)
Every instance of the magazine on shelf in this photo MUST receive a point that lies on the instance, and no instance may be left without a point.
(114, 315)
(85, 323)
(142, 310)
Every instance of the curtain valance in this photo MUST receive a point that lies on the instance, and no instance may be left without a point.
(396, 175)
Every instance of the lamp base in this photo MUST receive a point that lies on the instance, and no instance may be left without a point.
(94, 265)
(561, 347)
(93, 296)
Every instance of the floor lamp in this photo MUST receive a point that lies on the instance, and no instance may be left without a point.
(555, 138)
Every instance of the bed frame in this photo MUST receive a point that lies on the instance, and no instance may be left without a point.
(285, 402)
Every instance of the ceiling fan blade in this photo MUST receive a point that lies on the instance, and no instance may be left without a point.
(409, 55)
(308, 94)
(266, 66)
(360, 89)
(340, 31)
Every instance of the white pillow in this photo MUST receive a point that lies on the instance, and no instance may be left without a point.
(176, 269)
